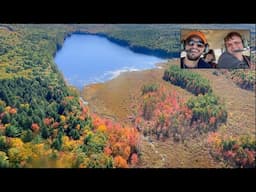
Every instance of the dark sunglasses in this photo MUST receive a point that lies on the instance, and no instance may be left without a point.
(199, 44)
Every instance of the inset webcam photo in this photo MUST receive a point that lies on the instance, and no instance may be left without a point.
(208, 48)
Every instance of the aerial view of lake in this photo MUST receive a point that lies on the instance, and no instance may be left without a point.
(87, 59)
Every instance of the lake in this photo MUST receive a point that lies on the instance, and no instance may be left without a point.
(87, 59)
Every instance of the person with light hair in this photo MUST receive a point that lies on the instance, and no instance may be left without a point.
(233, 57)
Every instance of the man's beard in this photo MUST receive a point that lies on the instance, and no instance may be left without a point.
(192, 57)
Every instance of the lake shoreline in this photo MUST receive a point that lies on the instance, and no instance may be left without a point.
(135, 48)
(113, 98)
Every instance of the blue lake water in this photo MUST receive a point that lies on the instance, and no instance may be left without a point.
(86, 59)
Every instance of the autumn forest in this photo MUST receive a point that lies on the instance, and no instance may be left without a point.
(45, 123)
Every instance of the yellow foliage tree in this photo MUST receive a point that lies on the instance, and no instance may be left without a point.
(62, 118)
(16, 142)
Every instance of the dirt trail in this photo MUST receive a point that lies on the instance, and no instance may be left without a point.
(114, 98)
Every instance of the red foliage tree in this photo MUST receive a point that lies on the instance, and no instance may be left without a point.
(35, 127)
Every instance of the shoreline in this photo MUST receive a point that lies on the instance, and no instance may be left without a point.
(160, 65)
(158, 52)
(114, 97)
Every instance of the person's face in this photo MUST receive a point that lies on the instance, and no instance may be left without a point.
(194, 48)
(209, 58)
(234, 44)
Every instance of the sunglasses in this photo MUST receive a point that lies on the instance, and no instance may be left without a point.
(199, 44)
